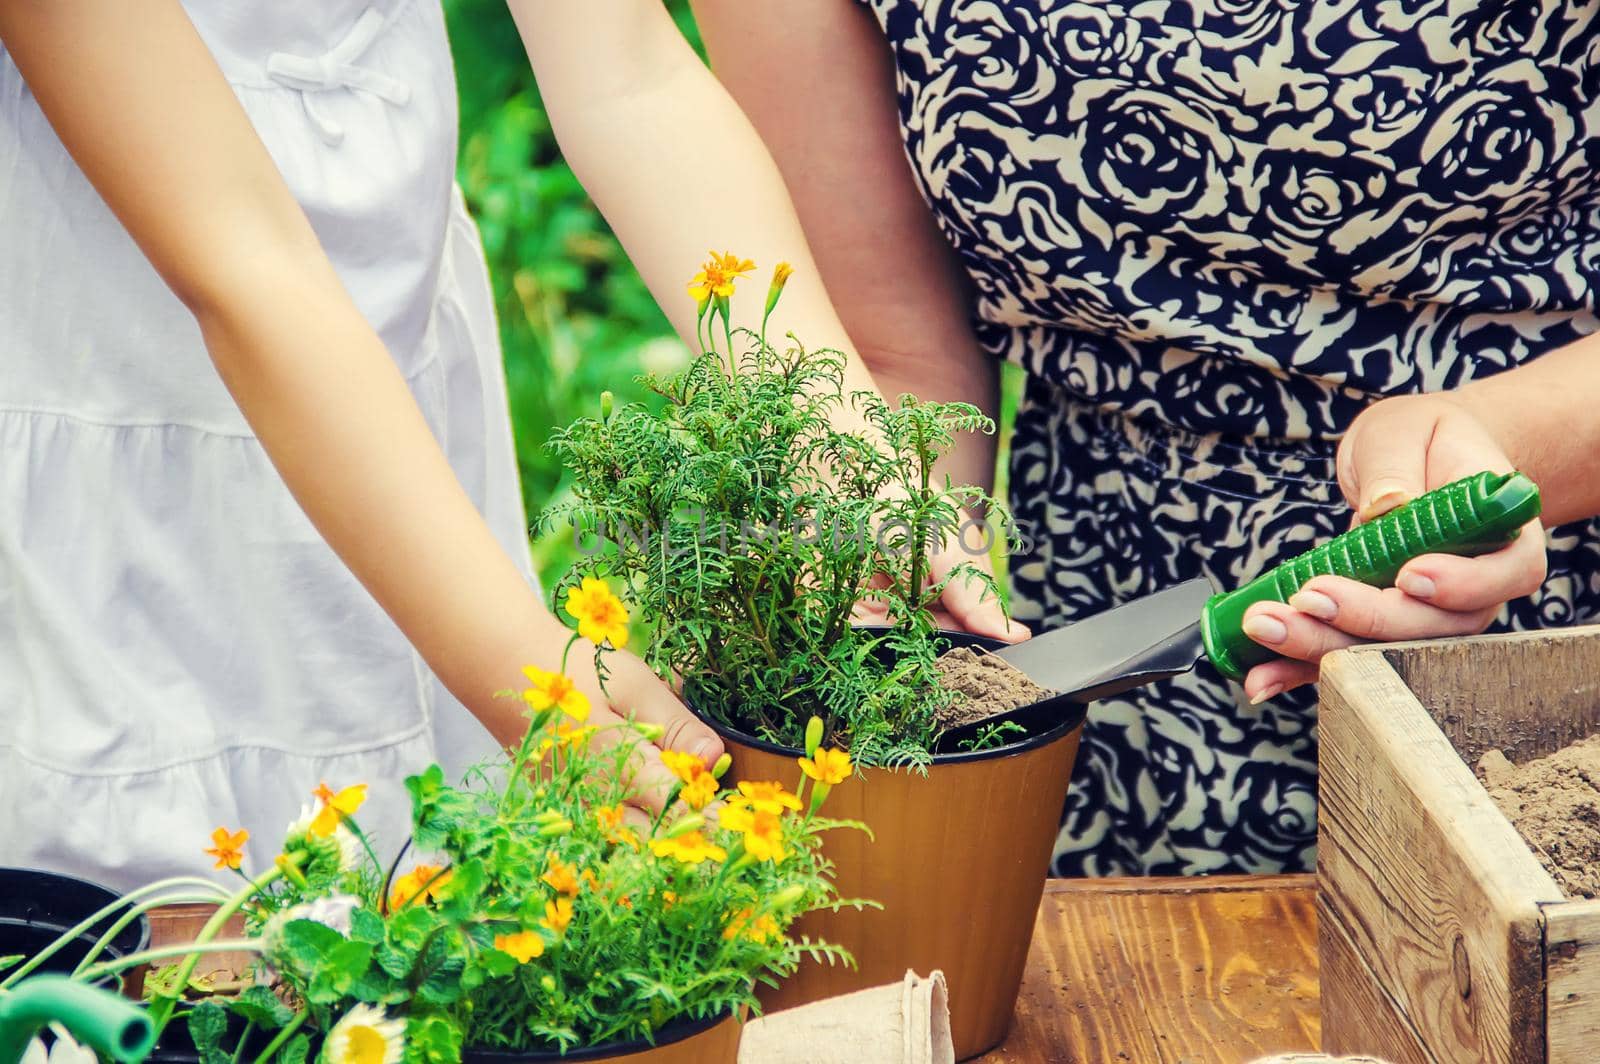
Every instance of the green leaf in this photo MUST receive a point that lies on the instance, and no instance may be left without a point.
(327, 962)
(11, 960)
(366, 926)
(432, 1039)
(444, 964)
(261, 1006)
(208, 1024)
(296, 1051)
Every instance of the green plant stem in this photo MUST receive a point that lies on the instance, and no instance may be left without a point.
(280, 1038)
(72, 933)
(162, 1007)
(238, 1051)
(161, 953)
(133, 913)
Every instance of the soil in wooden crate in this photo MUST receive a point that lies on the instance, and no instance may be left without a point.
(984, 685)
(1554, 802)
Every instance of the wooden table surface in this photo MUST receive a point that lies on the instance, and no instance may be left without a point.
(1217, 970)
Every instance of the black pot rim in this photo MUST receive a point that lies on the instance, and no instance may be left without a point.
(1072, 717)
(678, 1030)
(115, 948)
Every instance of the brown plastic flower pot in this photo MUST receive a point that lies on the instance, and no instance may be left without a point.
(958, 862)
(710, 1041)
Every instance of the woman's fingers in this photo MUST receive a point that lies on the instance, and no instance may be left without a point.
(1470, 584)
(1331, 616)
(1277, 676)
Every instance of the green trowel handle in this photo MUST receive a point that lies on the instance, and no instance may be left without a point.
(1473, 515)
(111, 1025)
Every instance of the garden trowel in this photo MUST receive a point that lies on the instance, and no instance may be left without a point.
(1169, 632)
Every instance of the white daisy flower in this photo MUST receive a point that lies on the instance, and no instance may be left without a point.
(365, 1036)
(65, 1050)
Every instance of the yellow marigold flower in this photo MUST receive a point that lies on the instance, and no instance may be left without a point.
(684, 766)
(731, 264)
(228, 847)
(588, 876)
(717, 276)
(576, 737)
(524, 945)
(691, 848)
(762, 831)
(557, 915)
(781, 274)
(829, 767)
(555, 689)
(365, 1036)
(336, 807)
(699, 792)
(768, 797)
(562, 878)
(601, 615)
(423, 883)
(609, 818)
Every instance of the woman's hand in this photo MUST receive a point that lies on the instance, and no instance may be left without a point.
(1395, 450)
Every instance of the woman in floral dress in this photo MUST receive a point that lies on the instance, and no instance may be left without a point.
(1265, 262)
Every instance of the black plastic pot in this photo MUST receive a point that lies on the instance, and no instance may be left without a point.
(710, 1041)
(37, 907)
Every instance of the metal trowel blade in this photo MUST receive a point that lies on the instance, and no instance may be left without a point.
(1136, 643)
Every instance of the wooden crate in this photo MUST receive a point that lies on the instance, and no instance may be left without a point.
(1441, 938)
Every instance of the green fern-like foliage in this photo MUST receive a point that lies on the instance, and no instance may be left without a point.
(748, 526)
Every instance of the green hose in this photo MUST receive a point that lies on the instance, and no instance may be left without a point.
(109, 1024)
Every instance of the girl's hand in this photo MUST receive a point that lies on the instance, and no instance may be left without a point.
(1395, 450)
(637, 692)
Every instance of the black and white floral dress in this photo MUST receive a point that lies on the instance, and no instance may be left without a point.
(1212, 232)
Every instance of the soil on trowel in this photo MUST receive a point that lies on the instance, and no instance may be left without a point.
(984, 685)
(1555, 803)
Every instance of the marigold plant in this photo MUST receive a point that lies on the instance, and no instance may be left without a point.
(748, 526)
(532, 908)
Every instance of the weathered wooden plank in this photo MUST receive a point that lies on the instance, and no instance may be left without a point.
(1438, 894)
(1572, 981)
(1526, 693)
(1358, 1016)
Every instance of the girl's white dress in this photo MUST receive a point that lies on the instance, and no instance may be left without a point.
(179, 649)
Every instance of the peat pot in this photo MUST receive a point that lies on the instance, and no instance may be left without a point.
(958, 861)
(37, 907)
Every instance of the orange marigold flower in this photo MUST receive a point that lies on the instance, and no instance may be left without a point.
(557, 915)
(601, 615)
(336, 807)
(699, 792)
(555, 689)
(609, 818)
(684, 766)
(691, 848)
(524, 945)
(562, 878)
(829, 767)
(769, 797)
(228, 847)
(761, 929)
(717, 276)
(762, 831)
(423, 883)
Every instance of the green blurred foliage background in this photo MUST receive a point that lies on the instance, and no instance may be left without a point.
(575, 319)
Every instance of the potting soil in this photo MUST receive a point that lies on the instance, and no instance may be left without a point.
(1554, 802)
(984, 685)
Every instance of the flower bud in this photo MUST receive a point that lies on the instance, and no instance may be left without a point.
(549, 816)
(788, 896)
(652, 732)
(813, 736)
(607, 401)
(693, 822)
(555, 829)
(780, 277)
(549, 984)
(720, 769)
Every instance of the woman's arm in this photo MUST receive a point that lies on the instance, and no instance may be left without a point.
(138, 101)
(676, 167)
(817, 81)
